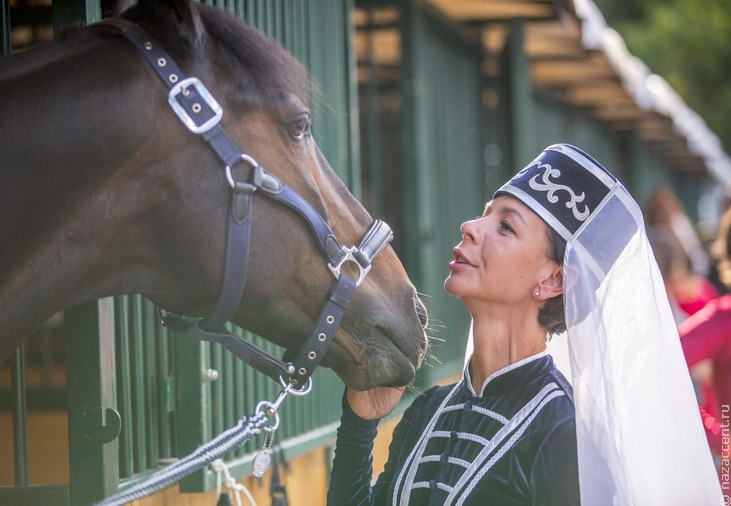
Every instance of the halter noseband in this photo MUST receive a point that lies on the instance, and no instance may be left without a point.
(199, 111)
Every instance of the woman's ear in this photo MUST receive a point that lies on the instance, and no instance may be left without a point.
(552, 285)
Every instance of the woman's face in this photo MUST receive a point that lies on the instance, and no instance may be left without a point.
(502, 257)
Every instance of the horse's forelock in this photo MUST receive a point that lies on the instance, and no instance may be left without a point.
(273, 70)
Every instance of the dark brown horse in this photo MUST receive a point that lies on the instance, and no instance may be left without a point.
(103, 191)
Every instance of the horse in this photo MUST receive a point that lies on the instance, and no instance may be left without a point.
(105, 192)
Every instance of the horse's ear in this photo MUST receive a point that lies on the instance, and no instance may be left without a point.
(180, 13)
(121, 6)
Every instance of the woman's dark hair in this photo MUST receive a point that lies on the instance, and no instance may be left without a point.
(551, 315)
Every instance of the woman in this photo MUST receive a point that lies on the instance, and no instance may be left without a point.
(680, 256)
(706, 335)
(561, 245)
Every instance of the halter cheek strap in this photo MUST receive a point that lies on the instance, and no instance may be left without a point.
(199, 111)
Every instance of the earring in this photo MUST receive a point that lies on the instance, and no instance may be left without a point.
(538, 293)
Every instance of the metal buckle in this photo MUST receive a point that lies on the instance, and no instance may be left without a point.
(375, 240)
(348, 256)
(182, 87)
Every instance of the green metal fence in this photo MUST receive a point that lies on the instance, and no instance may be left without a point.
(174, 393)
(427, 134)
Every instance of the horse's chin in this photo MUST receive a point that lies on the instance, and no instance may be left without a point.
(365, 380)
(387, 368)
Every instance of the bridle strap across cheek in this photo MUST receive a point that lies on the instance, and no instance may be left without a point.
(199, 111)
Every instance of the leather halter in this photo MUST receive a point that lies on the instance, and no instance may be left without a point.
(201, 114)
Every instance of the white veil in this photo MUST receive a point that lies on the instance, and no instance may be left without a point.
(639, 434)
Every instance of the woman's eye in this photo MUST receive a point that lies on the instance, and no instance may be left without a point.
(300, 128)
(504, 225)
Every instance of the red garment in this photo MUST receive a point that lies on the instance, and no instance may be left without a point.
(692, 293)
(707, 335)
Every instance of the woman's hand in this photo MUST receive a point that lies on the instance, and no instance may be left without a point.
(375, 403)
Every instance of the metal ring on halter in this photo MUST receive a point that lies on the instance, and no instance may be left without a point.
(245, 158)
(272, 408)
(297, 392)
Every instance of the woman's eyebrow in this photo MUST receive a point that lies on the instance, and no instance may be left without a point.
(511, 211)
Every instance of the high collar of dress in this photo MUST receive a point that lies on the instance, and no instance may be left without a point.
(503, 376)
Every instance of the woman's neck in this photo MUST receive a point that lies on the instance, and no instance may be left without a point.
(497, 345)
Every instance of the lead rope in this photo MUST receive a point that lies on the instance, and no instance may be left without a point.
(217, 448)
(224, 499)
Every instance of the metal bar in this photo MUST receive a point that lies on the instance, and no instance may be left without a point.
(268, 18)
(93, 424)
(229, 414)
(20, 433)
(240, 395)
(6, 46)
(216, 414)
(413, 140)
(65, 12)
(167, 402)
(152, 404)
(522, 105)
(124, 394)
(301, 26)
(173, 396)
(351, 102)
(277, 21)
(190, 415)
(138, 386)
(372, 111)
(250, 399)
(46, 344)
(252, 12)
(287, 25)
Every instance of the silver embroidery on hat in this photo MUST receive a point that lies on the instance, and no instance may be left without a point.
(552, 187)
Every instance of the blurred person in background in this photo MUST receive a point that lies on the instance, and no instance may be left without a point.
(683, 261)
(706, 340)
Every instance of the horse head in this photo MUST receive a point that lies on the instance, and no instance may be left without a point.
(146, 210)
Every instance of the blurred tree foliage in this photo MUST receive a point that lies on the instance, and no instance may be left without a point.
(688, 42)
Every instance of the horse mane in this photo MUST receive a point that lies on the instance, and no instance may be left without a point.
(273, 69)
(258, 66)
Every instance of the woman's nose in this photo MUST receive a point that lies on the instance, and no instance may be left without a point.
(469, 229)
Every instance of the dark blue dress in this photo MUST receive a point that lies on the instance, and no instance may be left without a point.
(513, 444)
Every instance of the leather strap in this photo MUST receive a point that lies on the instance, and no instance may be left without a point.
(201, 114)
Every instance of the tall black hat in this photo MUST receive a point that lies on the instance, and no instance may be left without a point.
(563, 185)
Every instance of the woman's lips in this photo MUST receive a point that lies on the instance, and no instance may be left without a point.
(459, 261)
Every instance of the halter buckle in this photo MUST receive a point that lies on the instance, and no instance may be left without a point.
(182, 88)
(375, 240)
(348, 256)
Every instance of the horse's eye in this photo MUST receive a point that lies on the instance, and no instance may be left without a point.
(300, 127)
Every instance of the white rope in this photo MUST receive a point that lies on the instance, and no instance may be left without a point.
(222, 469)
(224, 443)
